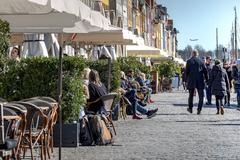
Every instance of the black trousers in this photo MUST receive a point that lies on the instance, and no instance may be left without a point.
(219, 101)
(190, 98)
(227, 98)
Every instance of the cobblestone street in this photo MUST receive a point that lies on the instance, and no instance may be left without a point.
(172, 134)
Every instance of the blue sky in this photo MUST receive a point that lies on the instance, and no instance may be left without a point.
(200, 18)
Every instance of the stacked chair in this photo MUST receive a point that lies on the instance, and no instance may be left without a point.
(32, 128)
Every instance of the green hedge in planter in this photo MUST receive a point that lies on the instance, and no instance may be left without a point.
(132, 63)
(102, 67)
(4, 38)
(168, 69)
(39, 76)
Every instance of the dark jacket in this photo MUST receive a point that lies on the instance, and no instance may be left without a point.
(235, 74)
(96, 92)
(219, 81)
(229, 74)
(209, 69)
(196, 72)
(140, 81)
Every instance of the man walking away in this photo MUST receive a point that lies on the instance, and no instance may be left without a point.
(196, 72)
(208, 88)
(228, 69)
(236, 77)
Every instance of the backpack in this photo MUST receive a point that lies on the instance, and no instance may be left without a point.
(101, 130)
(86, 137)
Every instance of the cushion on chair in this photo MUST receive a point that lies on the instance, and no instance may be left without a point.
(9, 144)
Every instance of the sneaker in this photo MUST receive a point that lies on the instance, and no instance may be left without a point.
(136, 117)
(151, 101)
(152, 113)
(222, 110)
(189, 110)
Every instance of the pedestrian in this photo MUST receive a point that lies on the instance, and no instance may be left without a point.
(196, 73)
(236, 77)
(220, 85)
(228, 69)
(183, 73)
(208, 88)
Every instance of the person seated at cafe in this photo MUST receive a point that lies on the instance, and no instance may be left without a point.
(15, 54)
(85, 78)
(130, 75)
(136, 104)
(96, 90)
(124, 82)
(145, 90)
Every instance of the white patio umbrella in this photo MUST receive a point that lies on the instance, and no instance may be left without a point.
(46, 16)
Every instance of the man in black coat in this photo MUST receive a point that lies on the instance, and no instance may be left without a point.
(196, 72)
(208, 88)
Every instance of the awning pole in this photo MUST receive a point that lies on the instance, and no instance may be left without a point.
(60, 101)
(109, 73)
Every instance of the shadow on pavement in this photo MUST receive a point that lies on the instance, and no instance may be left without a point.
(171, 114)
(233, 106)
(187, 121)
(225, 124)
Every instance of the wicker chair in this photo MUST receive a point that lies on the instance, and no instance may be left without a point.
(109, 101)
(35, 128)
(7, 143)
(51, 113)
(20, 125)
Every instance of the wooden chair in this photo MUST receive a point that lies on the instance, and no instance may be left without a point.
(124, 103)
(51, 113)
(35, 127)
(109, 101)
(7, 144)
(19, 126)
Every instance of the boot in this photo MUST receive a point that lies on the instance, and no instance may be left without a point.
(222, 110)
(238, 102)
(217, 111)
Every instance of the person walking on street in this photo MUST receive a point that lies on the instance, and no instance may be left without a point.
(208, 88)
(228, 69)
(236, 77)
(196, 72)
(220, 85)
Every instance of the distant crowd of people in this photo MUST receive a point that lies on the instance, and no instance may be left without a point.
(215, 79)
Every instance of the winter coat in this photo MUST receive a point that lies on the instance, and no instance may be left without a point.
(230, 77)
(195, 73)
(219, 81)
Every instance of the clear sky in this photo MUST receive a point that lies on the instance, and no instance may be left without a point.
(200, 18)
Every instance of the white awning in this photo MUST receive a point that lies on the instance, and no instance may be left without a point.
(49, 16)
(180, 61)
(26, 16)
(143, 51)
(112, 36)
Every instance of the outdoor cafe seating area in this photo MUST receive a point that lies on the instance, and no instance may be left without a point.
(26, 128)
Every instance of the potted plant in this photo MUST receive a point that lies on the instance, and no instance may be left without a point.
(166, 71)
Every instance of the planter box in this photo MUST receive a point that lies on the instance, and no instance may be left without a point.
(70, 135)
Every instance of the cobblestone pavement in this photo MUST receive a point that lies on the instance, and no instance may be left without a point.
(173, 134)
